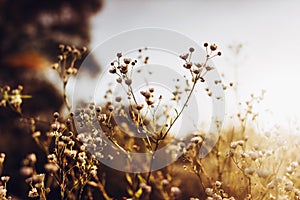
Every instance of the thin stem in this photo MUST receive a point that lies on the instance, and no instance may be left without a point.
(182, 109)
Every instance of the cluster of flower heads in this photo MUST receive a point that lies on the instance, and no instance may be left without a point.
(121, 68)
(3, 181)
(69, 164)
(217, 193)
(72, 168)
(12, 97)
(198, 70)
(66, 65)
(35, 180)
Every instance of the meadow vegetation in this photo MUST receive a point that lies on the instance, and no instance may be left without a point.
(244, 164)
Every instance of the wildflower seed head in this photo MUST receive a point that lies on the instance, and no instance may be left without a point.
(68, 48)
(140, 107)
(219, 53)
(124, 69)
(56, 115)
(127, 61)
(6, 88)
(113, 70)
(20, 88)
(119, 80)
(184, 56)
(146, 188)
(84, 49)
(213, 47)
(149, 102)
(188, 65)
(33, 193)
(32, 158)
(175, 191)
(191, 49)
(5, 179)
(205, 44)
(110, 108)
(146, 94)
(51, 168)
(98, 109)
(2, 158)
(55, 66)
(165, 183)
(119, 55)
(26, 171)
(209, 68)
(118, 99)
(60, 58)
(128, 82)
(55, 126)
(209, 191)
(249, 170)
(62, 47)
(196, 71)
(151, 90)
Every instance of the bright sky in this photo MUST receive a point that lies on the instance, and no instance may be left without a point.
(269, 31)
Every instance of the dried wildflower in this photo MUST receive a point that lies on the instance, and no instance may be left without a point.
(188, 65)
(253, 155)
(146, 188)
(119, 55)
(128, 82)
(113, 70)
(196, 71)
(151, 90)
(127, 61)
(56, 115)
(5, 179)
(98, 109)
(289, 186)
(55, 126)
(71, 153)
(233, 145)
(33, 193)
(213, 47)
(38, 178)
(209, 191)
(93, 170)
(52, 158)
(2, 158)
(209, 68)
(165, 183)
(147, 95)
(26, 171)
(140, 107)
(36, 134)
(175, 191)
(149, 102)
(249, 170)
(197, 139)
(218, 184)
(51, 168)
(191, 49)
(3, 192)
(184, 56)
(110, 108)
(262, 173)
(119, 80)
(31, 157)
